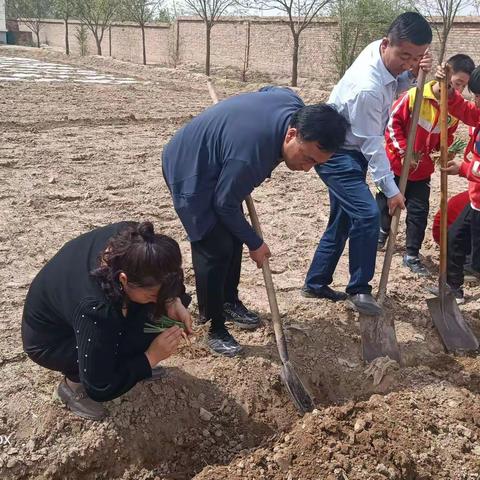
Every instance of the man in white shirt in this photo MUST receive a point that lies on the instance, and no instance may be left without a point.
(364, 97)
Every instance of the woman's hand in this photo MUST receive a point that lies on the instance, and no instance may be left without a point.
(164, 345)
(176, 311)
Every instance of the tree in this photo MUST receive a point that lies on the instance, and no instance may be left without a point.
(81, 35)
(447, 10)
(141, 12)
(64, 9)
(300, 14)
(30, 12)
(209, 11)
(97, 15)
(359, 23)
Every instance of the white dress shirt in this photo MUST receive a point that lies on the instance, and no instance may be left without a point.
(364, 96)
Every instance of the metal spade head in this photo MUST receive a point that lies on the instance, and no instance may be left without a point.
(301, 398)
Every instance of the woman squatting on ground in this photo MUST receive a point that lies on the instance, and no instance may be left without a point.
(85, 312)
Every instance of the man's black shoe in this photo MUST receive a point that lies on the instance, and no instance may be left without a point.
(240, 315)
(470, 274)
(382, 240)
(324, 292)
(416, 266)
(222, 343)
(364, 303)
(456, 292)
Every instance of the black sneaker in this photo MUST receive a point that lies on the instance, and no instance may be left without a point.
(382, 240)
(470, 274)
(239, 314)
(324, 292)
(416, 266)
(222, 343)
(456, 292)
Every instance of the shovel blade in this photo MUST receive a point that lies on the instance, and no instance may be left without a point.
(448, 320)
(378, 337)
(298, 393)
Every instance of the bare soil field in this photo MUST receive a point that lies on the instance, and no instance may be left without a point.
(74, 156)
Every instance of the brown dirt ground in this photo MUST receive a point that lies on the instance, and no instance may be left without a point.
(73, 157)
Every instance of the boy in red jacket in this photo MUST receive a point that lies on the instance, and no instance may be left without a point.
(464, 233)
(427, 140)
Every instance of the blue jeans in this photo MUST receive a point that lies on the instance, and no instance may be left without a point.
(354, 215)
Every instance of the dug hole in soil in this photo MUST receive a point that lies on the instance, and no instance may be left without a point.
(76, 156)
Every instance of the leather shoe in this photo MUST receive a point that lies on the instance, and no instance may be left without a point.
(79, 402)
(324, 292)
(364, 303)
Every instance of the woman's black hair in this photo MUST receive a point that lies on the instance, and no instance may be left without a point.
(474, 82)
(147, 258)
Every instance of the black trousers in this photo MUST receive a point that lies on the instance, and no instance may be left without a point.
(217, 261)
(417, 196)
(463, 239)
(61, 355)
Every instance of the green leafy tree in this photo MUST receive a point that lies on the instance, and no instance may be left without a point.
(82, 38)
(141, 12)
(98, 16)
(360, 22)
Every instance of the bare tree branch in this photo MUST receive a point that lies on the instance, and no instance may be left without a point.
(141, 12)
(97, 16)
(300, 14)
(30, 12)
(447, 10)
(209, 11)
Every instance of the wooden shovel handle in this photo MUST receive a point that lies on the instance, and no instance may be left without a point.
(442, 278)
(407, 161)
(272, 297)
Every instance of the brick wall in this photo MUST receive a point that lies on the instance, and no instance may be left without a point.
(269, 39)
(122, 41)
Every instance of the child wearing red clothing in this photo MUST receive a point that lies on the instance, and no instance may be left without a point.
(465, 231)
(455, 207)
(427, 141)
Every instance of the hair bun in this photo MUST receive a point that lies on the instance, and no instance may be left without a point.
(145, 229)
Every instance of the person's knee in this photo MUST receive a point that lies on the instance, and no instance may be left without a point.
(368, 217)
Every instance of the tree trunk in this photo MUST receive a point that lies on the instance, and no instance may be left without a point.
(247, 53)
(37, 34)
(67, 44)
(99, 44)
(296, 45)
(207, 55)
(143, 44)
(442, 50)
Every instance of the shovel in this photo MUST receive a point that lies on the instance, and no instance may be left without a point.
(447, 318)
(378, 332)
(298, 393)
